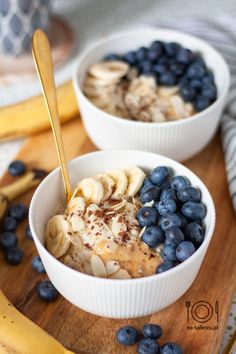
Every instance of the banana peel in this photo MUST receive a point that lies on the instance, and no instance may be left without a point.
(19, 335)
(30, 116)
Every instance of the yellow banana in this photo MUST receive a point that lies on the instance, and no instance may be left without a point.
(19, 335)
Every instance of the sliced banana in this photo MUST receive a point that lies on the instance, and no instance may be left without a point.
(77, 223)
(98, 267)
(56, 235)
(112, 267)
(118, 227)
(109, 70)
(121, 183)
(107, 183)
(91, 190)
(76, 204)
(87, 265)
(165, 91)
(135, 177)
(99, 83)
(120, 274)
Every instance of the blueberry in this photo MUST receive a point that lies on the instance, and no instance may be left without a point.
(159, 68)
(147, 216)
(163, 267)
(168, 79)
(47, 291)
(153, 235)
(185, 250)
(18, 211)
(194, 210)
(147, 182)
(169, 221)
(141, 54)
(14, 255)
(183, 81)
(194, 233)
(17, 168)
(158, 46)
(28, 233)
(146, 186)
(184, 220)
(168, 194)
(173, 237)
(172, 48)
(189, 193)
(148, 346)
(145, 66)
(153, 54)
(179, 182)
(196, 84)
(171, 348)
(185, 56)
(37, 264)
(152, 331)
(163, 60)
(209, 91)
(177, 68)
(112, 56)
(169, 253)
(187, 93)
(195, 71)
(149, 194)
(208, 78)
(130, 58)
(8, 240)
(201, 102)
(127, 335)
(9, 224)
(166, 206)
(159, 175)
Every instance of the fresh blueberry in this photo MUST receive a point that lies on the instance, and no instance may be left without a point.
(28, 233)
(146, 185)
(159, 68)
(201, 102)
(169, 253)
(208, 78)
(9, 224)
(147, 216)
(148, 346)
(177, 68)
(152, 331)
(173, 237)
(141, 54)
(183, 81)
(163, 60)
(149, 194)
(158, 46)
(8, 240)
(112, 56)
(185, 56)
(17, 168)
(196, 84)
(179, 182)
(171, 348)
(165, 185)
(184, 220)
(14, 255)
(159, 175)
(153, 235)
(127, 335)
(187, 93)
(194, 210)
(130, 58)
(168, 79)
(18, 211)
(47, 291)
(185, 250)
(194, 233)
(145, 66)
(168, 194)
(189, 193)
(195, 71)
(37, 264)
(163, 267)
(170, 221)
(171, 48)
(209, 91)
(153, 54)
(166, 206)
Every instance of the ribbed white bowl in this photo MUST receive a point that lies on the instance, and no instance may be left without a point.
(110, 297)
(179, 139)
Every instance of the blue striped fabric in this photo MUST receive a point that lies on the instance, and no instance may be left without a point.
(221, 34)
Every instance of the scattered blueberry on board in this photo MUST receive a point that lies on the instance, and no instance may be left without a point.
(47, 291)
(172, 218)
(14, 255)
(37, 265)
(17, 168)
(8, 240)
(171, 64)
(18, 211)
(171, 348)
(28, 233)
(9, 224)
(127, 335)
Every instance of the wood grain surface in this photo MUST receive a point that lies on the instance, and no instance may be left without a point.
(86, 333)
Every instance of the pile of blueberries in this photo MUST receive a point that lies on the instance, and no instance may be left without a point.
(173, 218)
(9, 241)
(128, 335)
(171, 64)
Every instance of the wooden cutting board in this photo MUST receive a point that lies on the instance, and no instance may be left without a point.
(86, 333)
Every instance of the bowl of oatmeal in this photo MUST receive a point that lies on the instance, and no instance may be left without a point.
(111, 247)
(156, 90)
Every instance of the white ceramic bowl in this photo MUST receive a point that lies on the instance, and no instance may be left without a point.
(178, 139)
(111, 297)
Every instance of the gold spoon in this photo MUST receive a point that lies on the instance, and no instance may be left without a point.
(43, 61)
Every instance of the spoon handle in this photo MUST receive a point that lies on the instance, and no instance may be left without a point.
(44, 66)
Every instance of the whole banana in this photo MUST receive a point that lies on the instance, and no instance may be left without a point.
(19, 335)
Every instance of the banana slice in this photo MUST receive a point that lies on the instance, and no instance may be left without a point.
(98, 267)
(121, 182)
(135, 177)
(165, 91)
(107, 183)
(109, 70)
(102, 101)
(56, 235)
(99, 83)
(118, 227)
(120, 274)
(76, 204)
(91, 190)
(112, 267)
